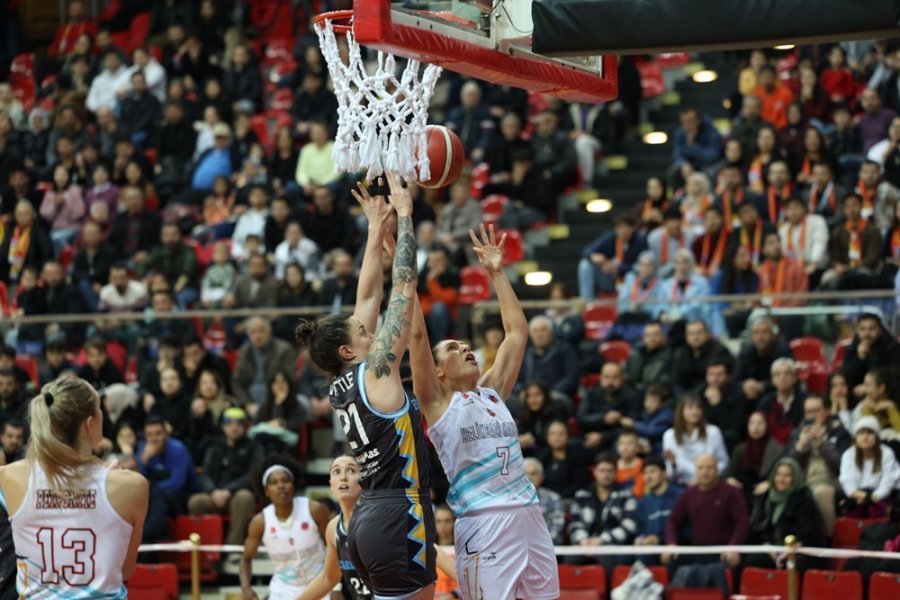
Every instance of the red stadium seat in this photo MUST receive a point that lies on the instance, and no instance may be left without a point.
(817, 380)
(481, 176)
(260, 126)
(475, 285)
(21, 78)
(131, 369)
(280, 49)
(884, 586)
(28, 363)
(282, 99)
(694, 594)
(514, 250)
(846, 585)
(808, 350)
(210, 529)
(847, 531)
(579, 595)
(154, 581)
(117, 353)
(765, 582)
(616, 351)
(231, 357)
(837, 361)
(598, 319)
(492, 208)
(5, 307)
(591, 578)
(66, 256)
(620, 574)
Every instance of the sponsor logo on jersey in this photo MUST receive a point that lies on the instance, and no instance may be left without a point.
(48, 499)
(489, 430)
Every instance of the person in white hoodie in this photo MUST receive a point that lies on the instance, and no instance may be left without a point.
(298, 248)
(869, 471)
(154, 74)
(105, 85)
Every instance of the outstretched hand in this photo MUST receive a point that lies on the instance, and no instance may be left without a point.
(488, 250)
(377, 211)
(400, 197)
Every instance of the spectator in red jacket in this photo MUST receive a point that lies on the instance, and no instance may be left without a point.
(837, 78)
(775, 97)
(68, 33)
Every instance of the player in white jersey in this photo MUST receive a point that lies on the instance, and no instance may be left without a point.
(503, 547)
(292, 529)
(76, 524)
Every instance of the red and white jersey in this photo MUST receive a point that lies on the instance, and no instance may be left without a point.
(296, 549)
(69, 545)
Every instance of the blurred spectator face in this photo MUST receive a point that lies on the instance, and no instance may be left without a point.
(493, 337)
(443, 523)
(821, 176)
(318, 134)
(77, 11)
(716, 376)
(258, 267)
(655, 189)
(140, 57)
(836, 58)
(762, 335)
(852, 208)
(54, 356)
(751, 108)
(323, 200)
(259, 333)
(748, 214)
(784, 478)
(654, 337)
(437, 261)
(155, 434)
(627, 446)
(170, 236)
(80, 68)
(756, 426)
(65, 148)
(112, 62)
(683, 266)
(545, 124)
(868, 330)
(162, 303)
(208, 386)
(425, 234)
(605, 474)
(535, 473)
(779, 175)
(869, 174)
(24, 214)
(13, 438)
(652, 403)
(611, 377)
(18, 181)
(293, 234)
(169, 382)
(733, 151)
(258, 198)
(865, 439)
(772, 247)
(535, 400)
(96, 357)
(696, 334)
(557, 436)
(894, 130)
(541, 334)
(221, 255)
(646, 268)
(207, 9)
(511, 127)
(765, 140)
(470, 95)
(193, 354)
(124, 149)
(61, 177)
(794, 114)
(241, 57)
(783, 378)
(814, 410)
(870, 101)
(175, 34)
(210, 115)
(673, 226)
(159, 283)
(459, 192)
(812, 140)
(8, 386)
(843, 119)
(624, 231)
(312, 82)
(52, 274)
(233, 428)
(126, 437)
(281, 210)
(707, 471)
(28, 279)
(119, 278)
(690, 121)
(712, 221)
(654, 478)
(104, 39)
(342, 265)
(767, 79)
(106, 119)
(138, 84)
(173, 112)
(795, 212)
(294, 275)
(253, 245)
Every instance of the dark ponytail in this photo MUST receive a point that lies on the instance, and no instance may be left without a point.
(323, 337)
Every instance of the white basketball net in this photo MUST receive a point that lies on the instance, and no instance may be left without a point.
(381, 119)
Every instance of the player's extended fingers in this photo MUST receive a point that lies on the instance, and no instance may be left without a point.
(475, 241)
(502, 241)
(493, 235)
(484, 236)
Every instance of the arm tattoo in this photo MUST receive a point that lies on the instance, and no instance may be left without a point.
(405, 261)
(382, 354)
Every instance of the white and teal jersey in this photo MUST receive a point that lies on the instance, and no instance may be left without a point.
(478, 443)
(296, 549)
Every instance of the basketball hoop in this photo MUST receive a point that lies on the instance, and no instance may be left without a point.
(381, 117)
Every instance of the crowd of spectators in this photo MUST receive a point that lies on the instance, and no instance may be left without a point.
(148, 190)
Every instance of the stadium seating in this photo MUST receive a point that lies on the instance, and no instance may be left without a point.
(475, 285)
(840, 348)
(765, 582)
(846, 585)
(28, 363)
(582, 579)
(515, 246)
(808, 351)
(620, 574)
(151, 582)
(847, 531)
(210, 529)
(694, 594)
(598, 318)
(5, 307)
(884, 586)
(616, 351)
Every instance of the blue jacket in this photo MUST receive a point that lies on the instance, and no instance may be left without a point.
(706, 149)
(654, 426)
(653, 511)
(171, 471)
(557, 368)
(606, 245)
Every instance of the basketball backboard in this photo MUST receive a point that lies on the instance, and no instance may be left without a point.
(486, 39)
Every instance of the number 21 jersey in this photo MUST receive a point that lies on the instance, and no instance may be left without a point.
(389, 446)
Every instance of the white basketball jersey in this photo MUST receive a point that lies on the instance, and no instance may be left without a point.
(478, 442)
(296, 549)
(69, 546)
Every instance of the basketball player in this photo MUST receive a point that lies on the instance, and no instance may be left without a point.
(503, 547)
(392, 531)
(344, 481)
(292, 528)
(76, 524)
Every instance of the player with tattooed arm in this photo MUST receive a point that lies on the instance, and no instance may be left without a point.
(391, 535)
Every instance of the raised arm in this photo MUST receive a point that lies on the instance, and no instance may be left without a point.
(370, 289)
(390, 341)
(502, 376)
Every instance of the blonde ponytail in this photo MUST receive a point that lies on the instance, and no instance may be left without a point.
(56, 416)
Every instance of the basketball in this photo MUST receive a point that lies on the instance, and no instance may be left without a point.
(446, 155)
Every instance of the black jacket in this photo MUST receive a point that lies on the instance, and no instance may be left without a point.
(65, 299)
(689, 370)
(106, 376)
(594, 408)
(95, 270)
(750, 365)
(557, 368)
(884, 353)
(40, 250)
(148, 234)
(801, 518)
(140, 113)
(229, 467)
(243, 85)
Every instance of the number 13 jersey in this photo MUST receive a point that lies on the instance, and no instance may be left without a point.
(478, 443)
(70, 546)
(389, 446)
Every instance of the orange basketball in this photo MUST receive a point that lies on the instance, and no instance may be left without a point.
(445, 154)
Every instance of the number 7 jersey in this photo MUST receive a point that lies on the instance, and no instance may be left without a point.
(389, 446)
(478, 443)
(71, 546)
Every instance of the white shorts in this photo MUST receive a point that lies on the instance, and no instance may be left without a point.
(506, 555)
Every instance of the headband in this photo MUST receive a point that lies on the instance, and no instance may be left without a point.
(275, 469)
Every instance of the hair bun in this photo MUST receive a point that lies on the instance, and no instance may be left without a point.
(305, 331)
(48, 398)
